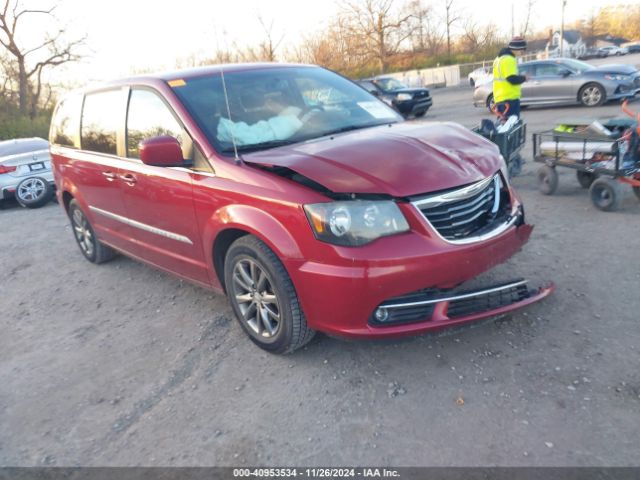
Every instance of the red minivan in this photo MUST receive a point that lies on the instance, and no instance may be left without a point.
(304, 198)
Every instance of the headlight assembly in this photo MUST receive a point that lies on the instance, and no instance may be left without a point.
(355, 222)
(401, 97)
(619, 78)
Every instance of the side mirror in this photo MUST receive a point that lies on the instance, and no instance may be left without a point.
(163, 151)
(565, 73)
(375, 93)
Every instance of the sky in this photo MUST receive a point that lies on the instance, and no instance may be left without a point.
(125, 35)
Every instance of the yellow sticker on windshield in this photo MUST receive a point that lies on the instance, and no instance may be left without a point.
(177, 83)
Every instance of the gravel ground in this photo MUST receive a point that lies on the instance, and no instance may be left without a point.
(122, 365)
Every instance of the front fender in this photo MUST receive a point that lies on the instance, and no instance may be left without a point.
(256, 222)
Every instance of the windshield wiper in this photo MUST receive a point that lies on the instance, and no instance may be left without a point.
(260, 146)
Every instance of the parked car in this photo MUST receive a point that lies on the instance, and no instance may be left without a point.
(407, 101)
(634, 48)
(25, 171)
(590, 53)
(566, 81)
(614, 50)
(480, 75)
(352, 222)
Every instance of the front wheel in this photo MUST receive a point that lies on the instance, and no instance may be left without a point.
(592, 95)
(92, 249)
(420, 114)
(34, 192)
(606, 194)
(263, 297)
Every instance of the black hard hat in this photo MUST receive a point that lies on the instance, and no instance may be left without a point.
(518, 43)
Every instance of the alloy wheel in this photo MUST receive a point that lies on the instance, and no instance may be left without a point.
(31, 189)
(255, 296)
(83, 233)
(591, 96)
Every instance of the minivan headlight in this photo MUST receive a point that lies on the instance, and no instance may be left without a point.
(355, 222)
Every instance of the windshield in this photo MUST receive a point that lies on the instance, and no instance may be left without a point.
(576, 65)
(390, 84)
(277, 106)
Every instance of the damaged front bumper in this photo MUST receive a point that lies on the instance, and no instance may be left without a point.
(447, 308)
(409, 284)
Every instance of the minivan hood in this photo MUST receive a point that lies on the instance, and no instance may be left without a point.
(399, 160)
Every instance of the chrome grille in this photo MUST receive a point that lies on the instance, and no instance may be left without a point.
(469, 211)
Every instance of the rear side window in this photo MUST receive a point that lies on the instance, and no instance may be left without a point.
(65, 126)
(150, 117)
(101, 117)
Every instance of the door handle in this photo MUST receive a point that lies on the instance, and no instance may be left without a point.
(128, 179)
(109, 175)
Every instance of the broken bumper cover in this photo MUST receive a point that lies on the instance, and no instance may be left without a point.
(440, 309)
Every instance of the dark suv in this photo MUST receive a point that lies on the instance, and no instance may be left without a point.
(407, 101)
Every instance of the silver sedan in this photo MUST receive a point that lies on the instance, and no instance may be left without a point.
(25, 171)
(567, 81)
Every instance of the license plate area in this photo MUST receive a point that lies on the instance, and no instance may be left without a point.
(35, 167)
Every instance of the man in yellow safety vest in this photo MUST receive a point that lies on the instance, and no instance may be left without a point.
(506, 81)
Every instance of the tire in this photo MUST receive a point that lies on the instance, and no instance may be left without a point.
(585, 179)
(92, 249)
(472, 82)
(420, 114)
(592, 95)
(34, 192)
(490, 103)
(547, 180)
(263, 297)
(606, 194)
(636, 191)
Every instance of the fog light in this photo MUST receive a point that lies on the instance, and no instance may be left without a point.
(382, 314)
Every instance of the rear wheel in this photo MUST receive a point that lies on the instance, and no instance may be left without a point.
(34, 192)
(606, 194)
(592, 95)
(92, 249)
(263, 297)
(547, 180)
(585, 179)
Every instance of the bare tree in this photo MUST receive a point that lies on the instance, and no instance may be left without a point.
(375, 28)
(451, 17)
(427, 35)
(477, 38)
(52, 50)
(270, 44)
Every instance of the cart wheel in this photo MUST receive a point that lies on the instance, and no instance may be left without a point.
(636, 191)
(585, 179)
(606, 194)
(547, 180)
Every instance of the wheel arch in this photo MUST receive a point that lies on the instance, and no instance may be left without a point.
(236, 221)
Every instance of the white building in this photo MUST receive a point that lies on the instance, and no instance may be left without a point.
(572, 44)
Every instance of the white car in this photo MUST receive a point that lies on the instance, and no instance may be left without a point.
(613, 50)
(25, 171)
(480, 75)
